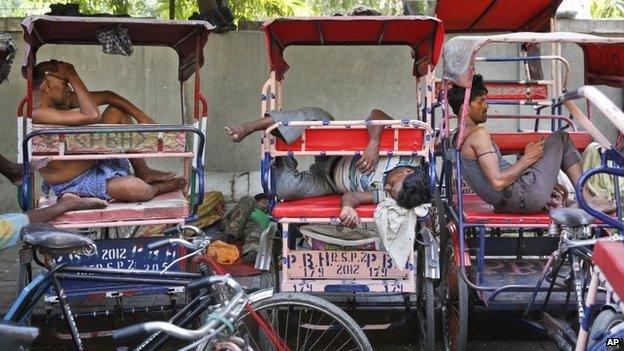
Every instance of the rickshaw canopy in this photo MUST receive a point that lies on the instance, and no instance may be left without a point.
(603, 57)
(424, 35)
(185, 37)
(494, 15)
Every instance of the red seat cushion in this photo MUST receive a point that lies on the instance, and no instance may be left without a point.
(477, 211)
(609, 257)
(324, 139)
(164, 206)
(318, 207)
(515, 142)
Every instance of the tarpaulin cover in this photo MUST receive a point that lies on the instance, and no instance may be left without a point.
(603, 57)
(496, 15)
(182, 36)
(424, 35)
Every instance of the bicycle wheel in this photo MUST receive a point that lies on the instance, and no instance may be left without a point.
(303, 322)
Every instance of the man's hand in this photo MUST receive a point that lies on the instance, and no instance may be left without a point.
(533, 151)
(65, 70)
(368, 162)
(349, 217)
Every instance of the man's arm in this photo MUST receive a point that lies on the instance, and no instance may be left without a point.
(107, 97)
(349, 201)
(370, 157)
(481, 144)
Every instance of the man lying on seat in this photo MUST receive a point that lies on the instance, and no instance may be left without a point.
(360, 180)
(55, 103)
(525, 186)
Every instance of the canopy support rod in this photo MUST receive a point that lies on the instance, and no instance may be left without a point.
(175, 46)
(538, 15)
(485, 12)
(276, 40)
(37, 35)
(382, 33)
(319, 30)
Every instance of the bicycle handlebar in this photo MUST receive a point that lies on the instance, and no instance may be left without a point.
(179, 229)
(223, 314)
(570, 243)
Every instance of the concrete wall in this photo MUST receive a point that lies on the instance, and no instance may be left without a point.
(347, 81)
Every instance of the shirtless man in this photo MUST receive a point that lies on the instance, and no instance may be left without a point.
(525, 186)
(360, 180)
(56, 103)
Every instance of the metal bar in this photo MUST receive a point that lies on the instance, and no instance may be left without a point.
(319, 31)
(481, 257)
(91, 270)
(382, 32)
(120, 223)
(113, 156)
(320, 220)
(151, 281)
(483, 13)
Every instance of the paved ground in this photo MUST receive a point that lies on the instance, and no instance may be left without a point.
(488, 331)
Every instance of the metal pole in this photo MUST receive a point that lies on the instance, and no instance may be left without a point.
(171, 9)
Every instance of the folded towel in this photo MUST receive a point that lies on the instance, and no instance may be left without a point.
(397, 228)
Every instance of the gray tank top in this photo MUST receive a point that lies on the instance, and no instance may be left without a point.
(473, 175)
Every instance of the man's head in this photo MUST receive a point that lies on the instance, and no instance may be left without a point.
(477, 110)
(409, 186)
(50, 82)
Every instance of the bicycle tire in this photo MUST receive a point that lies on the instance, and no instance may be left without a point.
(308, 307)
(605, 320)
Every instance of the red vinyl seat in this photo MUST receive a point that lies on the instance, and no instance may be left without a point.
(477, 211)
(318, 207)
(609, 257)
(515, 142)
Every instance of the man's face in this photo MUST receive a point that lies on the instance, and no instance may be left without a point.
(477, 111)
(394, 180)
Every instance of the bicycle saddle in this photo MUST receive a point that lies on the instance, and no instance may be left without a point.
(15, 337)
(571, 217)
(51, 238)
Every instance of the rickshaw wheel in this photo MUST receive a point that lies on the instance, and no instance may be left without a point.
(454, 304)
(605, 320)
(425, 305)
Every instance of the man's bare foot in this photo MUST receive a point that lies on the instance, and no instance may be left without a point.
(602, 204)
(599, 202)
(152, 176)
(77, 203)
(237, 132)
(169, 185)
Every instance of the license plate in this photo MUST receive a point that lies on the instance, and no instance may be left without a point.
(125, 254)
(343, 265)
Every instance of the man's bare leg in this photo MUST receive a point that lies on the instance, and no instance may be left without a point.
(134, 189)
(238, 132)
(113, 115)
(596, 201)
(68, 202)
(14, 172)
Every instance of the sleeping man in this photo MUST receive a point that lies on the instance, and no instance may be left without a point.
(61, 98)
(360, 180)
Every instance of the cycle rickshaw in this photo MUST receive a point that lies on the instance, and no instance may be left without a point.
(511, 261)
(350, 272)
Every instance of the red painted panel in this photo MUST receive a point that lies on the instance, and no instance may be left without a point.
(323, 139)
(608, 257)
(318, 207)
